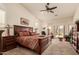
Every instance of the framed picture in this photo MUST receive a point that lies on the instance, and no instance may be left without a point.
(24, 21)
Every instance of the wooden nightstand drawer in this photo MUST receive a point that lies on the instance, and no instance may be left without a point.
(9, 42)
(9, 37)
(9, 47)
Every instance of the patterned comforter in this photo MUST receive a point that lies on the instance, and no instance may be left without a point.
(28, 41)
(36, 43)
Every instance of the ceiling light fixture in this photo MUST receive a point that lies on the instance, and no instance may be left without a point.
(48, 9)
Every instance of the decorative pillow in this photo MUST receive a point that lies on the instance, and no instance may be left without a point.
(29, 33)
(21, 34)
(26, 33)
(33, 33)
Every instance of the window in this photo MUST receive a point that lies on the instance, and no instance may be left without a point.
(2, 18)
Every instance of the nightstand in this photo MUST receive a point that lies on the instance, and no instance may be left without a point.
(1, 31)
(9, 42)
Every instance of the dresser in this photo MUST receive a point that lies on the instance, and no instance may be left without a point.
(1, 31)
(9, 42)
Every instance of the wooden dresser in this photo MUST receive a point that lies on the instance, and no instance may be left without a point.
(9, 43)
(1, 31)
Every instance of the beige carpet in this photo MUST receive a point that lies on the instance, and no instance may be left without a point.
(56, 48)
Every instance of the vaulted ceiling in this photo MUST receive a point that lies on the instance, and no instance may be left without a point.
(63, 10)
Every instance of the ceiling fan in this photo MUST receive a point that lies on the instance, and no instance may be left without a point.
(48, 9)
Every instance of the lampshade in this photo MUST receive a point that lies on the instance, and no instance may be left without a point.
(36, 24)
(2, 26)
(49, 27)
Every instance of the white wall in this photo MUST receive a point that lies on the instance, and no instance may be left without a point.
(2, 7)
(15, 11)
(76, 15)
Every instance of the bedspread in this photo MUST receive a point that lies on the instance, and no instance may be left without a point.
(28, 41)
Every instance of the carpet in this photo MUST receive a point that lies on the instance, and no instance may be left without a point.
(56, 48)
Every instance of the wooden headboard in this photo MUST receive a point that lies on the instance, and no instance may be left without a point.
(18, 28)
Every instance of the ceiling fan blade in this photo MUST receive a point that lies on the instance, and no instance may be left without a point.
(53, 8)
(47, 7)
(52, 11)
(43, 10)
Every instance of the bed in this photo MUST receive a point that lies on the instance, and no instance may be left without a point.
(29, 39)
